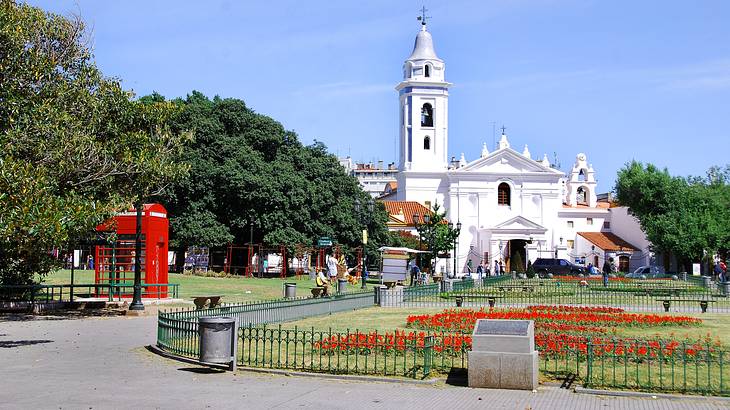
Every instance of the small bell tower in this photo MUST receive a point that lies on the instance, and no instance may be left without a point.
(423, 96)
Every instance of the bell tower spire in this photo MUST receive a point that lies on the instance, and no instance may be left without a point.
(423, 96)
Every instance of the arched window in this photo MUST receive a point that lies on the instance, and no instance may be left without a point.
(503, 194)
(427, 143)
(428, 71)
(427, 115)
(582, 196)
(581, 175)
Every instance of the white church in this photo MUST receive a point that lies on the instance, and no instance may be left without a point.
(506, 201)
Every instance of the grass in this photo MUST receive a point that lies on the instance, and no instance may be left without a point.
(234, 289)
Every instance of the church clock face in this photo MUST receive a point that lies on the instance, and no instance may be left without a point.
(581, 157)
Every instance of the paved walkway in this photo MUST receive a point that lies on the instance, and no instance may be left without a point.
(99, 363)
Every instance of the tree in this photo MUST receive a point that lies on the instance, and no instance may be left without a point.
(684, 216)
(436, 235)
(74, 147)
(252, 180)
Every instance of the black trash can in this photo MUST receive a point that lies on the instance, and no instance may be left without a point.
(217, 340)
(290, 290)
(341, 285)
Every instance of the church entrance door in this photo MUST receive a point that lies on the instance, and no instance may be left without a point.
(516, 256)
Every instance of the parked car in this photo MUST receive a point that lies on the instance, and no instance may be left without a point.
(543, 266)
(650, 272)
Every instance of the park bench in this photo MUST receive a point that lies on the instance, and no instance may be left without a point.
(491, 299)
(202, 301)
(525, 288)
(668, 302)
(663, 291)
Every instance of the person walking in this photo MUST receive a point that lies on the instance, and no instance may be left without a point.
(496, 267)
(480, 270)
(606, 271)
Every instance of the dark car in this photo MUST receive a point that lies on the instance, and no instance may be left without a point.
(543, 266)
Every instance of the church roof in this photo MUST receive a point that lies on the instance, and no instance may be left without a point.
(423, 47)
(608, 241)
(602, 205)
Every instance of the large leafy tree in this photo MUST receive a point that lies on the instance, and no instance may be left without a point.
(74, 146)
(253, 180)
(685, 216)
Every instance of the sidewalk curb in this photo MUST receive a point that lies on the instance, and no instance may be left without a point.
(644, 395)
(160, 352)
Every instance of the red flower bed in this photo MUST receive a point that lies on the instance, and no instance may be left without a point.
(464, 320)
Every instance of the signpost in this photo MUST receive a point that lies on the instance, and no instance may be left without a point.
(324, 241)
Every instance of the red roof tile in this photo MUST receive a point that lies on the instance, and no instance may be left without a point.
(407, 208)
(608, 241)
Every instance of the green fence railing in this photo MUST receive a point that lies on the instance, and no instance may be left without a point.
(327, 351)
(177, 329)
(638, 295)
(644, 365)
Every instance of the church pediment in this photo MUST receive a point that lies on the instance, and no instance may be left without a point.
(507, 161)
(519, 224)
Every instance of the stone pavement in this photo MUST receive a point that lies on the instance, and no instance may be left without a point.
(99, 363)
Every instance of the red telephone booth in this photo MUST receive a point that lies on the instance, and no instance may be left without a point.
(115, 263)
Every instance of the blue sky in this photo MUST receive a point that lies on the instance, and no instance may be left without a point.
(618, 80)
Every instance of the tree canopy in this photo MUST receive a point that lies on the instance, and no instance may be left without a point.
(74, 146)
(252, 180)
(689, 217)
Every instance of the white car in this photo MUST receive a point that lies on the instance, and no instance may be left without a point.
(647, 272)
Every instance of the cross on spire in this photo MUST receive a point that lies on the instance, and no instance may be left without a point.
(503, 129)
(423, 17)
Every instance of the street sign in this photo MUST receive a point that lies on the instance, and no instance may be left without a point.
(364, 236)
(324, 241)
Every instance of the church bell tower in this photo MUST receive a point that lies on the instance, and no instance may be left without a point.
(424, 96)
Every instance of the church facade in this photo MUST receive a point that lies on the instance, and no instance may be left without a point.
(513, 208)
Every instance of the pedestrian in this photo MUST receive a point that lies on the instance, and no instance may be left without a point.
(496, 267)
(501, 268)
(415, 272)
(606, 271)
(723, 271)
(718, 270)
(91, 262)
(480, 270)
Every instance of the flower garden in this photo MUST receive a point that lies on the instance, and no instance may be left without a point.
(580, 337)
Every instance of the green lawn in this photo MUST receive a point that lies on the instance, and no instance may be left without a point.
(233, 289)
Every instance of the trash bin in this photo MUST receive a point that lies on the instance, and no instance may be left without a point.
(706, 281)
(217, 340)
(341, 285)
(726, 289)
(290, 290)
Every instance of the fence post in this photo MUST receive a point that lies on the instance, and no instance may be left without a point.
(427, 355)
(589, 363)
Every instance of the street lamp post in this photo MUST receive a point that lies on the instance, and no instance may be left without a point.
(364, 220)
(137, 296)
(454, 242)
(500, 256)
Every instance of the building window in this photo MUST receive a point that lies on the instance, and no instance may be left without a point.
(582, 196)
(428, 71)
(503, 194)
(606, 225)
(427, 115)
(570, 243)
(570, 224)
(427, 143)
(589, 221)
(427, 204)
